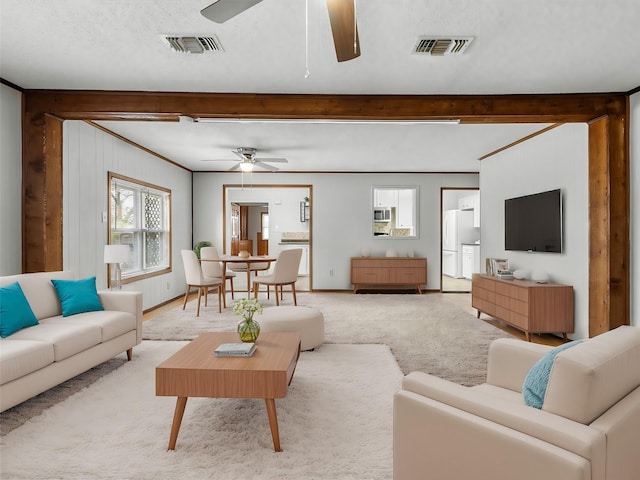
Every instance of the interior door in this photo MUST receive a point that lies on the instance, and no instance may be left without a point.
(235, 228)
(263, 234)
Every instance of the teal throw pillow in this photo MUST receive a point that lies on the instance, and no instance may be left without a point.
(535, 383)
(15, 311)
(78, 296)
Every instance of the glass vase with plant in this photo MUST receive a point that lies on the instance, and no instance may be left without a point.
(248, 328)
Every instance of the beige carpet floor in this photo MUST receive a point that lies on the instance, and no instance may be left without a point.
(428, 332)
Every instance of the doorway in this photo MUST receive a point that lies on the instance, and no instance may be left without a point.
(269, 221)
(460, 238)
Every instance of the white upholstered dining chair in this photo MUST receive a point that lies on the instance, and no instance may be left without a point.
(211, 268)
(285, 272)
(195, 278)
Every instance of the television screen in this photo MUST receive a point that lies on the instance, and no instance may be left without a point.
(533, 223)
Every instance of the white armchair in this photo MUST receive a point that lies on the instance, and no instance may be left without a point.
(588, 427)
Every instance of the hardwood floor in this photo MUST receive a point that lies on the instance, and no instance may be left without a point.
(462, 300)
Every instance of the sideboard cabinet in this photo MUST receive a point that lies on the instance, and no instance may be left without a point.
(378, 272)
(525, 305)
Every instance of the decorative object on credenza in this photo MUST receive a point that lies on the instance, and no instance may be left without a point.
(539, 277)
(391, 252)
(116, 255)
(504, 275)
(493, 265)
(248, 328)
(521, 274)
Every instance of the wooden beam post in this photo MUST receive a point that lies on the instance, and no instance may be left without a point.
(41, 192)
(609, 224)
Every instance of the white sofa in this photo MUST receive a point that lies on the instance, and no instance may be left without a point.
(588, 427)
(37, 358)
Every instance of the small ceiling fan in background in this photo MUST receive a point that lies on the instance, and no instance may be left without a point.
(341, 15)
(248, 160)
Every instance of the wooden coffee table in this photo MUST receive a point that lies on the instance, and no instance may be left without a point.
(194, 371)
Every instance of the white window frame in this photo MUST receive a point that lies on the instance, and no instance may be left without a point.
(137, 232)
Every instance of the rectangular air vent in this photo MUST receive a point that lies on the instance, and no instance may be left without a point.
(439, 46)
(193, 44)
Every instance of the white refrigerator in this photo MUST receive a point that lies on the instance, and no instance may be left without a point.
(457, 228)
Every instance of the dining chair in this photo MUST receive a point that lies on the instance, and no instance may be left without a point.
(195, 278)
(214, 269)
(285, 272)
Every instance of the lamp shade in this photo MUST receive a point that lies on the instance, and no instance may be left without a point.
(116, 253)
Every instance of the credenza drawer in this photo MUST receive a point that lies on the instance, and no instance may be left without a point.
(483, 305)
(485, 283)
(407, 275)
(483, 294)
(369, 275)
(512, 291)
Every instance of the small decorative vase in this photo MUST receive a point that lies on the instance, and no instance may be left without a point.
(248, 329)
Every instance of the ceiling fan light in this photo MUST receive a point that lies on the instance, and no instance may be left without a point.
(246, 167)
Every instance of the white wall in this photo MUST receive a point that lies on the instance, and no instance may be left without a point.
(634, 146)
(10, 181)
(556, 159)
(341, 217)
(88, 155)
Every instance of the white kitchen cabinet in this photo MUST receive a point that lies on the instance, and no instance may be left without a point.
(385, 197)
(304, 261)
(476, 211)
(405, 215)
(470, 260)
(466, 203)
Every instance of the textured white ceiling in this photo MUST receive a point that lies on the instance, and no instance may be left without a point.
(543, 46)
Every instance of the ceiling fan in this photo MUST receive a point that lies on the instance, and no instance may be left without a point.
(248, 160)
(341, 15)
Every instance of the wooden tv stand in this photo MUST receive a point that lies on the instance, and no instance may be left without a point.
(523, 304)
(388, 272)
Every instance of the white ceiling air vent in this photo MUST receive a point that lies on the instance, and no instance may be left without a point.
(439, 46)
(193, 44)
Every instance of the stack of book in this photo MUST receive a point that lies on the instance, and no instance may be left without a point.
(241, 349)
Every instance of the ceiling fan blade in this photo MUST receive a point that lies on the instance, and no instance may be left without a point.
(222, 10)
(266, 166)
(272, 160)
(342, 18)
(235, 167)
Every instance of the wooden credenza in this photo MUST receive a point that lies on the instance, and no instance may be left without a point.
(526, 305)
(388, 272)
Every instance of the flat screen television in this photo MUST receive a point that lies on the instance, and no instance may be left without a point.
(533, 223)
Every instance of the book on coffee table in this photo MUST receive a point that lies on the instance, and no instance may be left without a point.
(240, 349)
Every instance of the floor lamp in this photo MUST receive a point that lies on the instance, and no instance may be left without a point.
(116, 254)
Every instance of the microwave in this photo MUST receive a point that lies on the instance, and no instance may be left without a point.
(381, 214)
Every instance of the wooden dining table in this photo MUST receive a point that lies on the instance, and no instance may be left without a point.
(224, 259)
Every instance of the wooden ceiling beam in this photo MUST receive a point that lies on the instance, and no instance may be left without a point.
(154, 106)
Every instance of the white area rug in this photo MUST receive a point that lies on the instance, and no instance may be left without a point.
(428, 333)
(335, 423)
